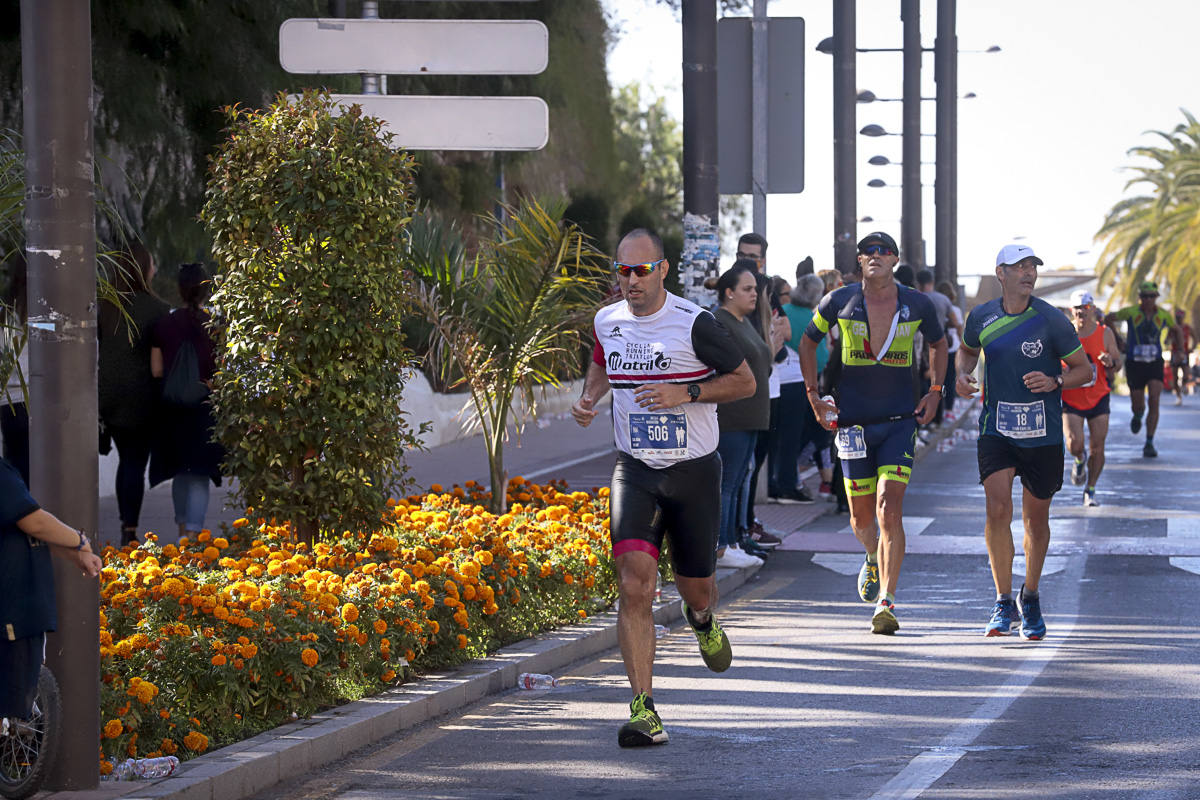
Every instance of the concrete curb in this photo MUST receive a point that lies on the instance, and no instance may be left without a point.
(248, 767)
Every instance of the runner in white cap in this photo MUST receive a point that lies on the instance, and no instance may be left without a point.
(1090, 401)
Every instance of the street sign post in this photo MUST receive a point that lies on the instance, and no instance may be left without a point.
(785, 105)
(414, 46)
(444, 122)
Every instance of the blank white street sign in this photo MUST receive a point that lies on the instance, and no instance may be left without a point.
(443, 122)
(414, 46)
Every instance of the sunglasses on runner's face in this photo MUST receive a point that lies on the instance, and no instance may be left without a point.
(642, 270)
(877, 250)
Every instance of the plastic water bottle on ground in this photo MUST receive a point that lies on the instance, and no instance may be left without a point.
(536, 680)
(146, 768)
(830, 416)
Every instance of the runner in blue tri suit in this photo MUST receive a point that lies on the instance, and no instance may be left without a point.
(1144, 368)
(1024, 341)
(877, 408)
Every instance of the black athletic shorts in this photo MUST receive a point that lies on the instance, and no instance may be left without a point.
(1040, 468)
(682, 501)
(1100, 409)
(1139, 373)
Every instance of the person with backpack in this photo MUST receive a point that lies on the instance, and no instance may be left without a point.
(181, 353)
(129, 394)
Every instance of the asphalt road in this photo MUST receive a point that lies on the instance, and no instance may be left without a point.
(815, 706)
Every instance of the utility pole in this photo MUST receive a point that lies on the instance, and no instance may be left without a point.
(945, 190)
(372, 84)
(701, 238)
(845, 149)
(60, 247)
(911, 238)
(758, 114)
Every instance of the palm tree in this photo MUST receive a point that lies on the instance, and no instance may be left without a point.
(512, 319)
(1155, 236)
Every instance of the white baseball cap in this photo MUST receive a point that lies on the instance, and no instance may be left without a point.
(1012, 253)
(1082, 298)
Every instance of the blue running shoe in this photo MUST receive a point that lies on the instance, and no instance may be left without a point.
(868, 582)
(1004, 618)
(1033, 627)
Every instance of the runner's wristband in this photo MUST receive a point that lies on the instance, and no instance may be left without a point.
(937, 387)
(83, 540)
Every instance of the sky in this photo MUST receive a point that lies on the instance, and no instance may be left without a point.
(1042, 148)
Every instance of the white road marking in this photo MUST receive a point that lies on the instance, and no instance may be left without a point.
(1186, 529)
(850, 563)
(928, 767)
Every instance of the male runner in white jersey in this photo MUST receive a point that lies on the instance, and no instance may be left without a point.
(668, 362)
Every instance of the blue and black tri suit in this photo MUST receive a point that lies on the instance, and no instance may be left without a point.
(877, 392)
(1019, 428)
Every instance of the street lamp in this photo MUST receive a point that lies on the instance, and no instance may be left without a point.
(878, 130)
(867, 96)
(826, 46)
(884, 161)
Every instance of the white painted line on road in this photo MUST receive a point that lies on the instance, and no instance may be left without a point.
(928, 767)
(913, 526)
(1184, 528)
(1053, 564)
(841, 563)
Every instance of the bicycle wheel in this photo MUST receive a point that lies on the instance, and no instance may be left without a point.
(28, 746)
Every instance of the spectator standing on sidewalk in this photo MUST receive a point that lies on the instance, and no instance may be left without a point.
(129, 393)
(14, 415)
(874, 413)
(740, 421)
(798, 426)
(181, 354)
(668, 363)
(28, 536)
(1024, 341)
(954, 334)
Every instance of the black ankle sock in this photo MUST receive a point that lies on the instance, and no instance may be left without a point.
(704, 626)
(649, 703)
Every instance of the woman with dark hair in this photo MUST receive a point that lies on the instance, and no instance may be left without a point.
(128, 392)
(740, 421)
(181, 353)
(954, 333)
(14, 355)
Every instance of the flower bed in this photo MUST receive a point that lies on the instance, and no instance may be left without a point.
(215, 640)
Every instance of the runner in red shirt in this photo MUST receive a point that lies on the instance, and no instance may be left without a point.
(1091, 401)
(1181, 345)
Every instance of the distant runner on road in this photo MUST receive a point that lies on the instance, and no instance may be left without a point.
(877, 408)
(668, 363)
(1144, 357)
(1024, 341)
(1181, 345)
(1090, 401)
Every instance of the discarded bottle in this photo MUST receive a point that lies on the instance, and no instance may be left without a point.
(536, 680)
(830, 416)
(146, 768)
(660, 631)
(658, 590)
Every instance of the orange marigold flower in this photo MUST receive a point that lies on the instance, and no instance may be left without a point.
(309, 657)
(196, 741)
(169, 747)
(113, 729)
(220, 543)
(106, 767)
(388, 676)
(240, 522)
(349, 612)
(211, 553)
(249, 650)
(462, 641)
(218, 660)
(380, 626)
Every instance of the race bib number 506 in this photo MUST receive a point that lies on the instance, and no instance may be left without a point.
(658, 435)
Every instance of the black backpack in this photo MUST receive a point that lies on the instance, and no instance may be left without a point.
(183, 386)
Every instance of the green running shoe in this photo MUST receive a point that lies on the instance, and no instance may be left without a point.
(714, 644)
(868, 582)
(644, 727)
(884, 621)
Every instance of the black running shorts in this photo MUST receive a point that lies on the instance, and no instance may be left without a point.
(1099, 410)
(682, 501)
(1140, 373)
(1040, 468)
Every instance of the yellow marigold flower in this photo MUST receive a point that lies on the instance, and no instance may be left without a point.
(196, 741)
(218, 660)
(275, 568)
(484, 557)
(309, 657)
(349, 612)
(417, 569)
(113, 729)
(380, 626)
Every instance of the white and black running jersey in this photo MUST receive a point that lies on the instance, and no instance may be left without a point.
(679, 343)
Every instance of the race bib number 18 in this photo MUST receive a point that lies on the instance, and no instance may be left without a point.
(1021, 420)
(658, 435)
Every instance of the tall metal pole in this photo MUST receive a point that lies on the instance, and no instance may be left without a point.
(758, 114)
(60, 245)
(844, 131)
(372, 84)
(911, 238)
(945, 55)
(701, 243)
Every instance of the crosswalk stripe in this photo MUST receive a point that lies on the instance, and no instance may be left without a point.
(1185, 529)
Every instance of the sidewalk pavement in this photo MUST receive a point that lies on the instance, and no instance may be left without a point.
(246, 768)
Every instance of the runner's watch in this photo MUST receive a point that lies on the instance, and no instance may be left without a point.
(1058, 380)
(694, 392)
